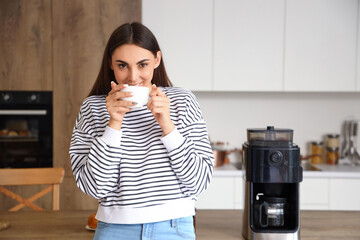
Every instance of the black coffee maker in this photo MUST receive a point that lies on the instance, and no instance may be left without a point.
(272, 177)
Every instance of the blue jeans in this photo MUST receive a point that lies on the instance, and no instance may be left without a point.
(175, 229)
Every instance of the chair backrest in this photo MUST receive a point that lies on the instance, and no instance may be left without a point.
(32, 176)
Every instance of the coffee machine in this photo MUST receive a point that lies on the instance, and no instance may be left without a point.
(272, 177)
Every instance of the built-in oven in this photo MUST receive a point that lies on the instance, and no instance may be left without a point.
(26, 129)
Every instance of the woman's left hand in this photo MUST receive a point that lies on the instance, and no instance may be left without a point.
(159, 105)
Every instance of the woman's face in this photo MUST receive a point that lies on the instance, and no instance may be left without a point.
(134, 65)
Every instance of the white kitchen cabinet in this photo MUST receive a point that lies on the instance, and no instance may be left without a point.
(327, 192)
(320, 45)
(344, 198)
(239, 193)
(222, 193)
(184, 32)
(330, 194)
(258, 45)
(248, 45)
(314, 194)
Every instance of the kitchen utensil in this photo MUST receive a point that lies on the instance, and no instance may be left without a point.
(349, 153)
(221, 153)
(345, 149)
(222, 156)
(353, 152)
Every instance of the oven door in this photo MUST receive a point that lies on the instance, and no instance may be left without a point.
(25, 138)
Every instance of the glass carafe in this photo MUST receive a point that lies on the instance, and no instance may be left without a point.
(270, 211)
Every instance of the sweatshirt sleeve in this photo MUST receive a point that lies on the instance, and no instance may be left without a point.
(189, 149)
(95, 154)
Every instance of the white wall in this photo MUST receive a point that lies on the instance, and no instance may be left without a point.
(310, 115)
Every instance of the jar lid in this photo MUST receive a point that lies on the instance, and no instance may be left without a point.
(316, 143)
(332, 149)
(333, 135)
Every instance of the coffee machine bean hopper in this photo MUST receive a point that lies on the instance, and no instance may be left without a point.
(272, 177)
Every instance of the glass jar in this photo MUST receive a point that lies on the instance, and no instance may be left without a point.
(317, 152)
(333, 141)
(332, 156)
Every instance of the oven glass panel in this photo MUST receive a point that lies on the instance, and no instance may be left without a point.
(26, 134)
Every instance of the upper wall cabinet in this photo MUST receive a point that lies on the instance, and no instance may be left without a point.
(320, 46)
(259, 45)
(25, 45)
(184, 32)
(248, 45)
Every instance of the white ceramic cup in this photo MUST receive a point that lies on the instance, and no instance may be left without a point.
(140, 95)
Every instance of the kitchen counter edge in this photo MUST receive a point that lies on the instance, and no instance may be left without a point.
(229, 170)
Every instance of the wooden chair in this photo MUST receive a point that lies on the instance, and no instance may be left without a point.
(32, 176)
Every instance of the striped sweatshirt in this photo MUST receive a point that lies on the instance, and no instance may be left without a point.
(137, 174)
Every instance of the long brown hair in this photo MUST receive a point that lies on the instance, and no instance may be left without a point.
(128, 33)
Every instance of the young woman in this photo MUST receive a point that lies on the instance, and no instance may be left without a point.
(146, 166)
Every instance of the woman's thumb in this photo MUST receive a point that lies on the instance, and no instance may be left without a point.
(113, 84)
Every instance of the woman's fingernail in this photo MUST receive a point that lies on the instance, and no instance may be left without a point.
(134, 103)
(125, 85)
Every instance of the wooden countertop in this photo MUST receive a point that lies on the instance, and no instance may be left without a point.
(314, 225)
(210, 225)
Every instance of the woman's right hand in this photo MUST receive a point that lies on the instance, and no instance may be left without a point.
(116, 106)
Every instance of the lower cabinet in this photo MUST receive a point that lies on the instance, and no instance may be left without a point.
(314, 194)
(222, 193)
(344, 194)
(330, 194)
(317, 193)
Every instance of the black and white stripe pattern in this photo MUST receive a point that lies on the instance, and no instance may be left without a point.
(140, 172)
